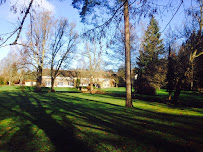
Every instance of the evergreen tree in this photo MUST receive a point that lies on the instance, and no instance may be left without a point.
(150, 66)
(170, 77)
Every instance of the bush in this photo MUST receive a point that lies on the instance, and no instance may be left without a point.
(2, 82)
(88, 88)
(142, 86)
(77, 83)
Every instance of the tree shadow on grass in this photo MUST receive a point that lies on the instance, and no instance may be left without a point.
(105, 117)
(186, 99)
(63, 138)
(124, 127)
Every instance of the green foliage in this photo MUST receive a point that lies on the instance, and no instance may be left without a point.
(87, 7)
(77, 83)
(121, 77)
(149, 65)
(189, 61)
(170, 77)
(152, 45)
(2, 82)
(142, 86)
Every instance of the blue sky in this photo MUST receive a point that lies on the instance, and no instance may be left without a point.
(9, 20)
(65, 9)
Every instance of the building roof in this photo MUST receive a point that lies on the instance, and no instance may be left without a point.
(30, 80)
(77, 73)
(62, 73)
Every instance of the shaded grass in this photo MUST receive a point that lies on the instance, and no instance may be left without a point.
(187, 98)
(85, 122)
(32, 89)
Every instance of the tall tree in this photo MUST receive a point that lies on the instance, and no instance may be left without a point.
(170, 73)
(10, 67)
(94, 60)
(63, 44)
(149, 62)
(190, 51)
(38, 43)
(87, 8)
(127, 56)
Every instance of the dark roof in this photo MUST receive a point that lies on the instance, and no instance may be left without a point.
(29, 80)
(77, 73)
(64, 73)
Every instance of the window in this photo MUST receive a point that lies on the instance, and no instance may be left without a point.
(48, 83)
(60, 83)
(70, 83)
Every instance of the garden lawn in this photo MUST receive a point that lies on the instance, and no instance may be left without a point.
(186, 99)
(65, 121)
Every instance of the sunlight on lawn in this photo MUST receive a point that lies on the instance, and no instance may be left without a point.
(157, 107)
(18, 134)
(97, 122)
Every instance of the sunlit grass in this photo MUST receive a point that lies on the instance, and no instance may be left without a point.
(95, 122)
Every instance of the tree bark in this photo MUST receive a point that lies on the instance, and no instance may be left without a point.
(169, 95)
(52, 84)
(127, 56)
(39, 79)
(177, 91)
(91, 84)
(192, 77)
(52, 78)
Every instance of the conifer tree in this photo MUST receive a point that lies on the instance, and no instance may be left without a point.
(170, 77)
(150, 66)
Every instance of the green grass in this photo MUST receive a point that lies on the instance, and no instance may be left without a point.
(186, 99)
(68, 121)
(8, 88)
(44, 89)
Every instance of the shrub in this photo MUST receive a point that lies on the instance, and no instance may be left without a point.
(88, 88)
(142, 86)
(77, 83)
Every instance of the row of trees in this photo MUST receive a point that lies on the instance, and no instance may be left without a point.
(181, 70)
(52, 44)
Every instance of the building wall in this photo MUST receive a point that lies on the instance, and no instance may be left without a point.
(30, 83)
(59, 82)
(70, 82)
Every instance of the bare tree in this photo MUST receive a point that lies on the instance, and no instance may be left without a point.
(36, 47)
(63, 44)
(9, 67)
(18, 29)
(93, 59)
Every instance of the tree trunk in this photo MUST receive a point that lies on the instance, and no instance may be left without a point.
(52, 78)
(52, 84)
(169, 95)
(39, 79)
(170, 75)
(178, 91)
(192, 77)
(91, 84)
(127, 57)
(21, 82)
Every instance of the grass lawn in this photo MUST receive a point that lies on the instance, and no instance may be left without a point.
(68, 121)
(186, 99)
